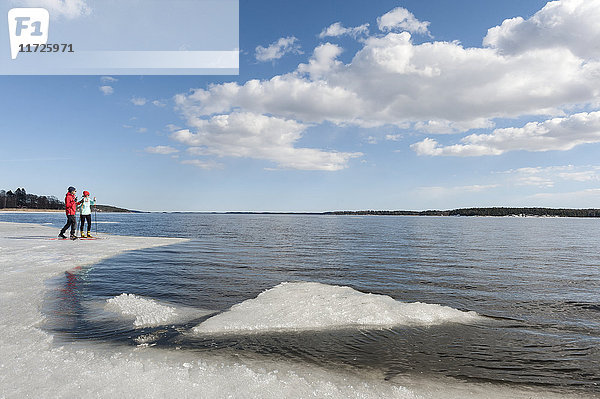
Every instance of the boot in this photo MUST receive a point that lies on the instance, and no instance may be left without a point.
(82, 234)
(89, 235)
(61, 235)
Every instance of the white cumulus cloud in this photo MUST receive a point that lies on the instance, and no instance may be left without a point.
(435, 87)
(260, 137)
(278, 49)
(323, 62)
(549, 176)
(449, 127)
(139, 101)
(107, 90)
(392, 81)
(552, 134)
(402, 19)
(393, 137)
(569, 24)
(337, 29)
(161, 149)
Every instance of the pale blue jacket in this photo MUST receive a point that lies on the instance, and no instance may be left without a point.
(86, 206)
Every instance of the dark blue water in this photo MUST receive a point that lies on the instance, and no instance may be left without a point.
(537, 281)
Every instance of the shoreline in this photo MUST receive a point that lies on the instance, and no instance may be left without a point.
(495, 212)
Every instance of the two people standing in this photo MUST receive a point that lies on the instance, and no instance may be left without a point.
(71, 205)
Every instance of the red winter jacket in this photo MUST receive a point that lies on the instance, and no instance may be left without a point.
(70, 204)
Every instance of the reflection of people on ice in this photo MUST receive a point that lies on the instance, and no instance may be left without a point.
(85, 213)
(70, 209)
(69, 292)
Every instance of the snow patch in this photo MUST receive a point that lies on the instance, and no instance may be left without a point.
(147, 312)
(308, 305)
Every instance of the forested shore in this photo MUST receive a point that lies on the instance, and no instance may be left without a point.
(21, 200)
(494, 211)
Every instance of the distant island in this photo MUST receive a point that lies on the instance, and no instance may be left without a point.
(20, 200)
(494, 211)
(110, 208)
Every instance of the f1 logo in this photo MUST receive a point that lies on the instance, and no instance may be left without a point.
(27, 26)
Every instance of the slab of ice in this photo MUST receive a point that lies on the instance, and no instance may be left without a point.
(130, 310)
(147, 312)
(309, 305)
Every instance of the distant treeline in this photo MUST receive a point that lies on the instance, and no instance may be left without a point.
(390, 213)
(577, 213)
(110, 208)
(483, 212)
(20, 199)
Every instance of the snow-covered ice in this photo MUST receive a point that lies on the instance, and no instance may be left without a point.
(32, 365)
(312, 306)
(148, 312)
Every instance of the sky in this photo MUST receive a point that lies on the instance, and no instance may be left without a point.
(338, 105)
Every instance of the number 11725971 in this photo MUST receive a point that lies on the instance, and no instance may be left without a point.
(46, 48)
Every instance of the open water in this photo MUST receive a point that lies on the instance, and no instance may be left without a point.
(520, 297)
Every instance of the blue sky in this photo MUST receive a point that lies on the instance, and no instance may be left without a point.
(432, 105)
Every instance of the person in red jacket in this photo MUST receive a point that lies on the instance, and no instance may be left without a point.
(71, 209)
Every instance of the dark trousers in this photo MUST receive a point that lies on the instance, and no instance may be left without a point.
(83, 218)
(70, 222)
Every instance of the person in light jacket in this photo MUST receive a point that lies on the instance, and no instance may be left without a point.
(85, 213)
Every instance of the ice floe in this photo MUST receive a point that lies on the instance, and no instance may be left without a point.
(310, 305)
